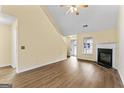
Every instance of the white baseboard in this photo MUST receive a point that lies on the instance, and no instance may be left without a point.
(13, 66)
(4, 65)
(121, 76)
(37, 66)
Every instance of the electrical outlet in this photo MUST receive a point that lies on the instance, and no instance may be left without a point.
(23, 47)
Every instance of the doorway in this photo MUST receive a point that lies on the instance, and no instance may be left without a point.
(73, 48)
(8, 43)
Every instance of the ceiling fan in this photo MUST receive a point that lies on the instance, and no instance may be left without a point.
(73, 8)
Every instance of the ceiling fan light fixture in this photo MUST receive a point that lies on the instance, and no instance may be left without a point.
(74, 8)
(77, 13)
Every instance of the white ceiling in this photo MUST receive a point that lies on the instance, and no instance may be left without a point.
(98, 18)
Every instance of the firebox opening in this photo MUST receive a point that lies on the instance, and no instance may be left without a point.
(105, 57)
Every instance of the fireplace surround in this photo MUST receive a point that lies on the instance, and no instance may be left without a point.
(106, 54)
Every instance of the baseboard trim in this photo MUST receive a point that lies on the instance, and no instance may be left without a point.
(91, 61)
(37, 66)
(5, 65)
(86, 60)
(122, 79)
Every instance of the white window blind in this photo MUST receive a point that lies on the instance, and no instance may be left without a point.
(88, 45)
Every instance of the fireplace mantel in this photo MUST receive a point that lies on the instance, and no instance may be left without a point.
(107, 46)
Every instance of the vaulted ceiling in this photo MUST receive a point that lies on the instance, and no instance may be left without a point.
(98, 18)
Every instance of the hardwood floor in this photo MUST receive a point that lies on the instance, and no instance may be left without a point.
(6, 75)
(66, 74)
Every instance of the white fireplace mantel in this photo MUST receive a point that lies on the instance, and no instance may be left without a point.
(107, 46)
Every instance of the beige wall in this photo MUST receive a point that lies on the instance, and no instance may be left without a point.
(109, 35)
(120, 64)
(43, 43)
(5, 45)
(68, 43)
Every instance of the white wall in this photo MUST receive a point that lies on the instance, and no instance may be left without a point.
(5, 45)
(121, 43)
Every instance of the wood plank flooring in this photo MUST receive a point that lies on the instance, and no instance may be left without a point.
(6, 75)
(71, 73)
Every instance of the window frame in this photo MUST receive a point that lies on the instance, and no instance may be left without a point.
(87, 46)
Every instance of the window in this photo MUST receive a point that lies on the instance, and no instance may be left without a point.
(88, 45)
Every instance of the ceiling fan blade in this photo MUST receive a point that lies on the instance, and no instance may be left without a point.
(62, 5)
(68, 11)
(65, 5)
(83, 5)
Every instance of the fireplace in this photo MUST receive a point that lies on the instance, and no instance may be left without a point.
(105, 57)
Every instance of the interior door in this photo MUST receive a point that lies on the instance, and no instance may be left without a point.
(73, 49)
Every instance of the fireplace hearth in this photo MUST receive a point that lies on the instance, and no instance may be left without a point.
(105, 57)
